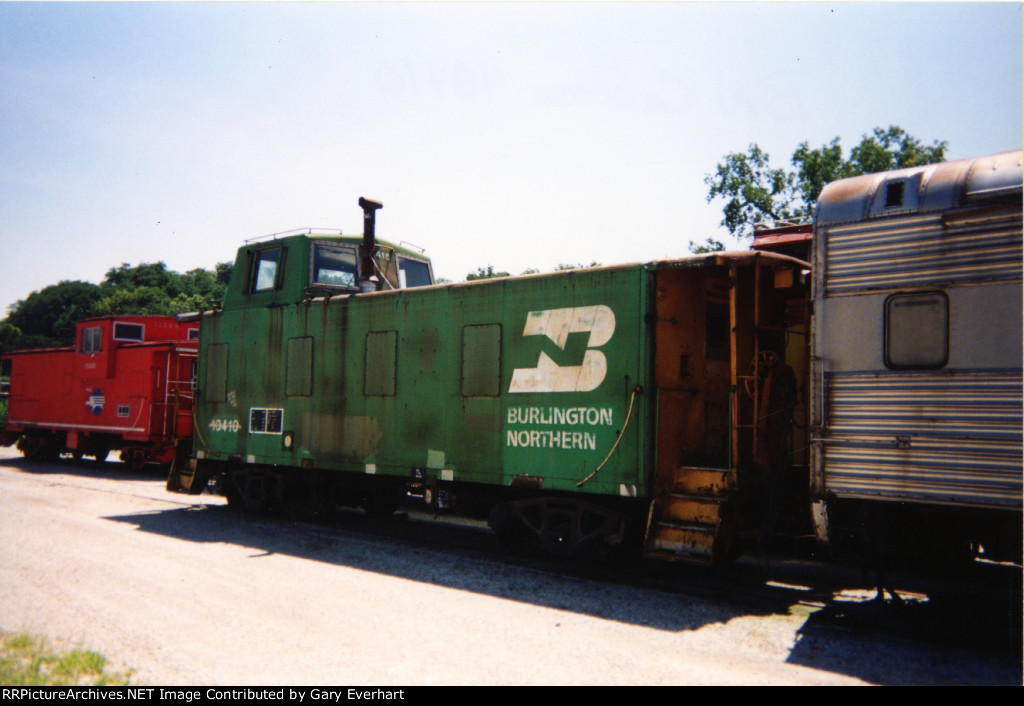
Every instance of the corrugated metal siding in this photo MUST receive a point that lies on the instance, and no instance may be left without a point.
(960, 434)
(922, 250)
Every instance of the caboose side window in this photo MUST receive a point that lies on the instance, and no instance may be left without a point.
(917, 330)
(128, 332)
(413, 273)
(92, 340)
(267, 265)
(334, 266)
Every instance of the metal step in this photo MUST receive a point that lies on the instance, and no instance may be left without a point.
(682, 541)
(683, 524)
(692, 509)
(696, 480)
(182, 476)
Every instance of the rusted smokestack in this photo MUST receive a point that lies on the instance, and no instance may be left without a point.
(369, 242)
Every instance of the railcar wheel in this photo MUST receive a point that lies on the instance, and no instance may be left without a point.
(558, 527)
(301, 503)
(232, 494)
(255, 489)
(35, 448)
(517, 538)
(557, 531)
(136, 458)
(380, 501)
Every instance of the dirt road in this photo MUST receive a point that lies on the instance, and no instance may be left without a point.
(184, 592)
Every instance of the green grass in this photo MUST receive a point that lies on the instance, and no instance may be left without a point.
(26, 660)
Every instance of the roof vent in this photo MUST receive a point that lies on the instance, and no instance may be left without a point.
(894, 194)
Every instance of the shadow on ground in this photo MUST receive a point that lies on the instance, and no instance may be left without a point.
(922, 642)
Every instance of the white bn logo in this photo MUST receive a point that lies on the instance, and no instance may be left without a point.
(557, 324)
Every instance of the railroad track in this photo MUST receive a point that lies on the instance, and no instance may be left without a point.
(977, 608)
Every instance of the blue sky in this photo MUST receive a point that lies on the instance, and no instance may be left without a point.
(512, 134)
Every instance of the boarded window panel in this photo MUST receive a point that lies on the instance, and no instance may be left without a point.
(917, 330)
(481, 360)
(428, 350)
(217, 373)
(299, 377)
(381, 349)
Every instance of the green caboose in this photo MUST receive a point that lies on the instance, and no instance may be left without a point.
(576, 404)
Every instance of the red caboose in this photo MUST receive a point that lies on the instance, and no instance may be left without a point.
(126, 384)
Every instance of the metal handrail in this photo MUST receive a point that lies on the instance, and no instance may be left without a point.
(307, 230)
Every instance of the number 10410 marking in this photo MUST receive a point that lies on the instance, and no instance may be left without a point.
(232, 425)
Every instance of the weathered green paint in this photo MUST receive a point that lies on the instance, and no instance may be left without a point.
(503, 382)
(423, 378)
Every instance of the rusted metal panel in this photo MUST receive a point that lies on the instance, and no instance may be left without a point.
(699, 510)
(691, 542)
(786, 239)
(722, 334)
(703, 481)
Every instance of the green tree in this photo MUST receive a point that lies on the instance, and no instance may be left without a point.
(578, 266)
(47, 317)
(136, 301)
(202, 289)
(144, 274)
(485, 273)
(708, 246)
(489, 271)
(9, 335)
(754, 191)
(222, 272)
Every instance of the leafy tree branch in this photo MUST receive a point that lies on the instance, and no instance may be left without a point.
(754, 191)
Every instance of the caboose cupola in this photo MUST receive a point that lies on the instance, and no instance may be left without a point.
(307, 263)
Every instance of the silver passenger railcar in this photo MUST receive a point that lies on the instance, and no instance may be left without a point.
(916, 359)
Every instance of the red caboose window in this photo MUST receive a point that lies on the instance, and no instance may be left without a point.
(92, 340)
(128, 332)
